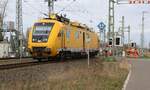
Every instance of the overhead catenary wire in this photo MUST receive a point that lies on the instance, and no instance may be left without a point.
(31, 13)
(67, 6)
(31, 6)
(87, 11)
(84, 11)
(38, 10)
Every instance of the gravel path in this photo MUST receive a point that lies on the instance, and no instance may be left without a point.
(140, 75)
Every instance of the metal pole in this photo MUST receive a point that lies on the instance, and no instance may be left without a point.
(109, 21)
(113, 31)
(19, 25)
(129, 35)
(104, 36)
(88, 57)
(123, 30)
(1, 28)
(142, 33)
(51, 6)
(111, 25)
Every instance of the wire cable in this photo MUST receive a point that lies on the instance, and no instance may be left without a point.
(26, 2)
(67, 6)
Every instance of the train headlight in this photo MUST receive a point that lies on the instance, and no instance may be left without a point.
(33, 40)
(45, 40)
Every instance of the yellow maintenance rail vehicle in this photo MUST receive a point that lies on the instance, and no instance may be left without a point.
(57, 36)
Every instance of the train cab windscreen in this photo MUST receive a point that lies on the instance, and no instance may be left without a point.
(41, 32)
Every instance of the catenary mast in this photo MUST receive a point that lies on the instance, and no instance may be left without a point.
(19, 26)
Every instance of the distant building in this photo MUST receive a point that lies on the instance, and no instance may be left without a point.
(11, 25)
(8, 27)
(5, 48)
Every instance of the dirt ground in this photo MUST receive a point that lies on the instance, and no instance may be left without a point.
(67, 75)
(147, 54)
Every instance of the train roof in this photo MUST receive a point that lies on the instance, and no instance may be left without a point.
(65, 20)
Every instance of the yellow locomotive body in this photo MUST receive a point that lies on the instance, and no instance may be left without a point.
(57, 36)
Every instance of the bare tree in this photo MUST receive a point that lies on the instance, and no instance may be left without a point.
(3, 6)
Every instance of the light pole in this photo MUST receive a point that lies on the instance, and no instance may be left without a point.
(142, 32)
(129, 28)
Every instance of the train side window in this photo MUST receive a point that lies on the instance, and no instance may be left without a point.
(68, 34)
(88, 39)
(76, 35)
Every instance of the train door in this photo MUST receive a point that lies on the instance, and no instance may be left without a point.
(84, 40)
(63, 39)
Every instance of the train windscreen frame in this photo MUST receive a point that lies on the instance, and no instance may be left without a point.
(41, 32)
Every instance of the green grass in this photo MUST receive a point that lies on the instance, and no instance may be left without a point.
(145, 57)
(109, 59)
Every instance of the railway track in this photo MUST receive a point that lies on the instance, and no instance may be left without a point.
(29, 62)
(14, 58)
(25, 64)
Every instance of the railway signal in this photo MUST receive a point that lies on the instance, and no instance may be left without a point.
(101, 26)
(111, 19)
(102, 30)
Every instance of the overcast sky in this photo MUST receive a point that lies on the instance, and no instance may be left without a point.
(90, 12)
